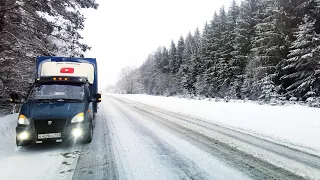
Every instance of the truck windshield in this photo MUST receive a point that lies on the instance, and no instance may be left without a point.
(60, 92)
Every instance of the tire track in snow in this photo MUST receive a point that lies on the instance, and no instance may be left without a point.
(97, 159)
(257, 168)
(185, 168)
(282, 150)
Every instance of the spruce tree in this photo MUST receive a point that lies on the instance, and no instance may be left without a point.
(184, 71)
(268, 89)
(162, 59)
(191, 60)
(172, 57)
(210, 74)
(180, 50)
(223, 55)
(165, 60)
(201, 86)
(249, 17)
(269, 47)
(196, 62)
(302, 66)
(311, 8)
(235, 67)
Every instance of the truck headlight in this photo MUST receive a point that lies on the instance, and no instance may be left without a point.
(23, 136)
(77, 132)
(23, 120)
(78, 118)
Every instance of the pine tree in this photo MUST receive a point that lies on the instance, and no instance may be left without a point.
(184, 71)
(268, 88)
(205, 47)
(203, 62)
(269, 47)
(223, 55)
(235, 68)
(311, 8)
(188, 49)
(210, 73)
(180, 50)
(302, 66)
(249, 17)
(158, 58)
(165, 60)
(172, 57)
(196, 62)
(292, 13)
(191, 59)
(245, 29)
(162, 59)
(197, 42)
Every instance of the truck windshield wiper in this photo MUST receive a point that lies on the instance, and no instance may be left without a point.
(40, 100)
(53, 100)
(66, 99)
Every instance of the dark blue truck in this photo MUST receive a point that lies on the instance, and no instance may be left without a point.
(62, 102)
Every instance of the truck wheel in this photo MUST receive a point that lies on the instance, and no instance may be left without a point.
(89, 134)
(22, 143)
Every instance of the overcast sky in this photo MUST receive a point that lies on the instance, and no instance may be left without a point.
(123, 32)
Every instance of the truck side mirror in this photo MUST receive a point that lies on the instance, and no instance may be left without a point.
(98, 97)
(14, 98)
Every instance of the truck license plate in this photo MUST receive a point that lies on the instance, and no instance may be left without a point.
(49, 136)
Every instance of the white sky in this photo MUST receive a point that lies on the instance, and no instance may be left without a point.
(124, 32)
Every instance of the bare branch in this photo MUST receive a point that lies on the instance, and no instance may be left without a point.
(7, 32)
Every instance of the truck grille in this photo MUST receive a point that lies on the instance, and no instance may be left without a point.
(44, 126)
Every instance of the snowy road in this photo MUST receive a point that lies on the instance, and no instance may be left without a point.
(137, 141)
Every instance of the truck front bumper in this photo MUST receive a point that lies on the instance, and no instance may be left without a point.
(70, 132)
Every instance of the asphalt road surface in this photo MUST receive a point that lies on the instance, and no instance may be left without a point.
(136, 141)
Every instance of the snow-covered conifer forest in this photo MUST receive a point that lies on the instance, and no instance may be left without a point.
(254, 49)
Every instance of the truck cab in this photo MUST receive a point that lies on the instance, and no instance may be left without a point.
(61, 104)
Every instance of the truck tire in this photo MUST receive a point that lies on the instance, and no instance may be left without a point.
(22, 143)
(87, 138)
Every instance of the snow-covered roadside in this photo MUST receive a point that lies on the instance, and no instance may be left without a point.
(7, 132)
(293, 125)
(3, 112)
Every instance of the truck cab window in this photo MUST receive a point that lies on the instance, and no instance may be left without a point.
(57, 91)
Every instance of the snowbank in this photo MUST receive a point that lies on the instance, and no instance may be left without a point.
(7, 133)
(293, 125)
(3, 112)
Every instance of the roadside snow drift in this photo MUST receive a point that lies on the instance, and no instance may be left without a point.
(7, 133)
(293, 125)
